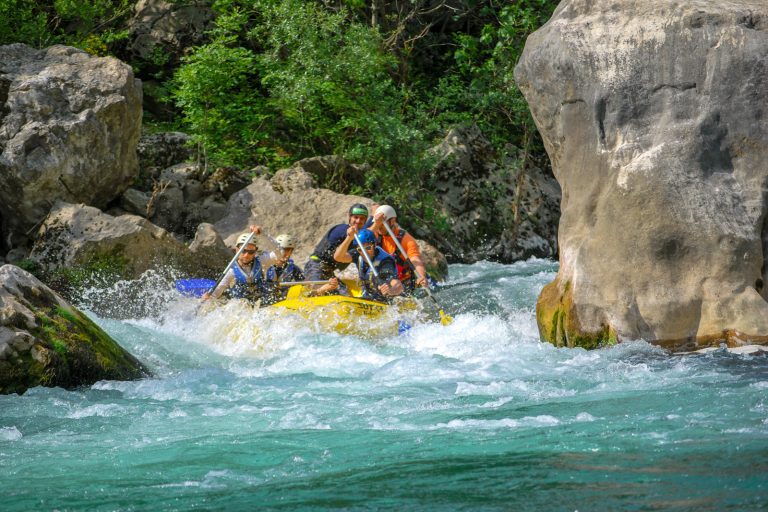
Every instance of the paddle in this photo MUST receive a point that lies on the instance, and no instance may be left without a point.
(194, 287)
(367, 258)
(293, 283)
(232, 261)
(444, 319)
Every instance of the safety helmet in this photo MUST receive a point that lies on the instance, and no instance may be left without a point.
(366, 236)
(388, 211)
(244, 238)
(358, 209)
(285, 241)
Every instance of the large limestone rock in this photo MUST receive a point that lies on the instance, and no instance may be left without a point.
(44, 341)
(306, 213)
(653, 116)
(83, 236)
(69, 124)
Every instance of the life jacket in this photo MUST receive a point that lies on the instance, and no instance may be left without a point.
(404, 272)
(247, 286)
(275, 276)
(290, 273)
(370, 287)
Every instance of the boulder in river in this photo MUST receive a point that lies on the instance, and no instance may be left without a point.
(128, 245)
(44, 341)
(653, 116)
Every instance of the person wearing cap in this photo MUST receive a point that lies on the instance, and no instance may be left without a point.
(283, 270)
(386, 213)
(387, 285)
(243, 280)
(321, 264)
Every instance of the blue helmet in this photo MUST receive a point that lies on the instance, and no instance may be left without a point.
(366, 236)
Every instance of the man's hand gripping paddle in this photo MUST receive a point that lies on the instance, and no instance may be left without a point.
(444, 319)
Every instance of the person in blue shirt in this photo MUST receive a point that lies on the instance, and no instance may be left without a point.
(283, 270)
(321, 264)
(382, 288)
(243, 280)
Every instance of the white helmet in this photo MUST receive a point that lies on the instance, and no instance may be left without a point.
(285, 241)
(244, 238)
(388, 211)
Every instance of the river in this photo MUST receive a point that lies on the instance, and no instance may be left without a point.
(247, 413)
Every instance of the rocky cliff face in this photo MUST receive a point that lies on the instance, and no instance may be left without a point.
(653, 114)
(496, 210)
(69, 125)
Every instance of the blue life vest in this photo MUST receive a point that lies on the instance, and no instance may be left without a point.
(247, 286)
(290, 273)
(385, 265)
(272, 291)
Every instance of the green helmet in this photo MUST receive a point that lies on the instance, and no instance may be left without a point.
(358, 209)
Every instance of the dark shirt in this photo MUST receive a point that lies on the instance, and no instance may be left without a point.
(327, 246)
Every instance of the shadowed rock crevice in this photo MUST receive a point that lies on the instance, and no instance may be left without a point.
(714, 155)
(5, 85)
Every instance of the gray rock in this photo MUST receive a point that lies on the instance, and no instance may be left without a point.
(163, 150)
(292, 179)
(69, 130)
(209, 248)
(496, 210)
(225, 181)
(651, 118)
(161, 31)
(16, 254)
(332, 171)
(77, 235)
(135, 202)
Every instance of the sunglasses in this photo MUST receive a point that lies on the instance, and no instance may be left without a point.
(249, 251)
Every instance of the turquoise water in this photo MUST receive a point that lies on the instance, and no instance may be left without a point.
(247, 412)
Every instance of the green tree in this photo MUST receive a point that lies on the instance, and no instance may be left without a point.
(287, 80)
(221, 108)
(93, 25)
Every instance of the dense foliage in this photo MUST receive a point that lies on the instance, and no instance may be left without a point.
(279, 80)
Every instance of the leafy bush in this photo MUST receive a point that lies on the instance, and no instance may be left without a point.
(92, 25)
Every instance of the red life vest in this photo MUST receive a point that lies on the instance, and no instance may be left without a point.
(403, 270)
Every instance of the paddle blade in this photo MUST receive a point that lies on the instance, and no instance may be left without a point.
(445, 319)
(294, 292)
(194, 287)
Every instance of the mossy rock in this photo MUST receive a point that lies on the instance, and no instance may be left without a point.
(47, 342)
(558, 321)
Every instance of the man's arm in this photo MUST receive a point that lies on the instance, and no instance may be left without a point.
(414, 254)
(342, 251)
(223, 286)
(391, 285)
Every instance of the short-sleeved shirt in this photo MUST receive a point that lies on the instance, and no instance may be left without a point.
(327, 246)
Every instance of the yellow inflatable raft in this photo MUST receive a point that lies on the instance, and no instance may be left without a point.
(350, 314)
